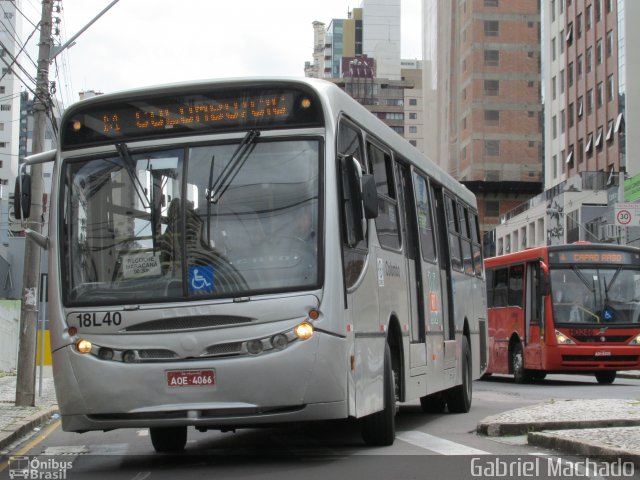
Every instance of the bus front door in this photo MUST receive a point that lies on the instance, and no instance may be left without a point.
(534, 332)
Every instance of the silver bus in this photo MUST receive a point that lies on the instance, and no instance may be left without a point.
(242, 253)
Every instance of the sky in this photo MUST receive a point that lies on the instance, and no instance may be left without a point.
(149, 42)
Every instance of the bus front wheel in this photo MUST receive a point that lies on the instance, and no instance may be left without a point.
(168, 439)
(607, 377)
(379, 429)
(520, 374)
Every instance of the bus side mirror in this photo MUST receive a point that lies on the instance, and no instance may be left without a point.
(369, 196)
(544, 279)
(352, 211)
(22, 196)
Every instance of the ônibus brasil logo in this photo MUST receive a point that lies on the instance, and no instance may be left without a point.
(38, 468)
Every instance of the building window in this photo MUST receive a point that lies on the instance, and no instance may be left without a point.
(569, 33)
(562, 121)
(492, 148)
(490, 3)
(553, 88)
(413, 116)
(413, 102)
(571, 119)
(599, 51)
(491, 28)
(413, 142)
(589, 59)
(609, 43)
(610, 87)
(492, 208)
(413, 129)
(5, 108)
(579, 25)
(570, 74)
(580, 106)
(492, 58)
(580, 151)
(561, 77)
(553, 48)
(554, 126)
(599, 95)
(492, 87)
(579, 67)
(492, 117)
(590, 101)
(598, 9)
(588, 19)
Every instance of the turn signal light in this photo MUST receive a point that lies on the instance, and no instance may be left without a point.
(83, 346)
(304, 331)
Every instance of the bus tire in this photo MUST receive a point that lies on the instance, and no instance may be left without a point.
(168, 439)
(606, 377)
(379, 429)
(459, 397)
(520, 374)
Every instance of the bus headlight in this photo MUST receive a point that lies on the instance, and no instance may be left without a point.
(636, 340)
(562, 339)
(83, 346)
(254, 347)
(304, 331)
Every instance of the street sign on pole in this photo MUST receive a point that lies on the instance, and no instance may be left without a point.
(627, 214)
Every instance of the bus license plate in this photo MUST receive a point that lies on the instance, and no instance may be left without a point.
(191, 378)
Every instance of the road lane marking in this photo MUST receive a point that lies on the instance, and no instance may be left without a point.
(437, 444)
(39, 438)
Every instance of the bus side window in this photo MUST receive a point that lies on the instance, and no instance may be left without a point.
(489, 280)
(475, 240)
(350, 143)
(500, 287)
(453, 228)
(516, 284)
(387, 223)
(425, 224)
(465, 240)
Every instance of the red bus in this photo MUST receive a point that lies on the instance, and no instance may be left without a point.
(564, 309)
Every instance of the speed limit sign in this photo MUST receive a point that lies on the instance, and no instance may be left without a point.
(627, 214)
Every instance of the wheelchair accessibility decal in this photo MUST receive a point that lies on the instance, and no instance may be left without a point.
(201, 279)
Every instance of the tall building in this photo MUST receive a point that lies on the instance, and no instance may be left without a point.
(377, 82)
(482, 105)
(10, 30)
(592, 55)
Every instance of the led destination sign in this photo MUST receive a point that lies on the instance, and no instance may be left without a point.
(190, 113)
(592, 256)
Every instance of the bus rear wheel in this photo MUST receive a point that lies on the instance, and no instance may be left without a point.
(379, 429)
(607, 377)
(459, 397)
(168, 439)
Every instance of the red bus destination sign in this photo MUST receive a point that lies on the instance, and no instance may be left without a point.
(592, 256)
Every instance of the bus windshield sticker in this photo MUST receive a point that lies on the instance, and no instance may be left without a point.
(143, 264)
(201, 279)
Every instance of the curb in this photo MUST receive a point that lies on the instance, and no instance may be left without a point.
(494, 429)
(582, 447)
(26, 425)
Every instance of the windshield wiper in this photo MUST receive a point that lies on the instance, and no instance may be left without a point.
(123, 153)
(231, 169)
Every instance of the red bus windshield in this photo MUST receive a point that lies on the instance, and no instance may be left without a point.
(595, 295)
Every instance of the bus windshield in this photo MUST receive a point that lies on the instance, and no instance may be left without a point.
(595, 295)
(144, 226)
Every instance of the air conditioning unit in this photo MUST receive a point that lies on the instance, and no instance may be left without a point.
(611, 231)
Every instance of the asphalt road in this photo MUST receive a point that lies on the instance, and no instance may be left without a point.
(427, 445)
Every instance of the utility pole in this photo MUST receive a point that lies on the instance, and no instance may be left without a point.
(26, 373)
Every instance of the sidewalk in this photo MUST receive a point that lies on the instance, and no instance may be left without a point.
(18, 421)
(594, 428)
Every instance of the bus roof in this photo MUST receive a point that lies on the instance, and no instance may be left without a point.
(335, 98)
